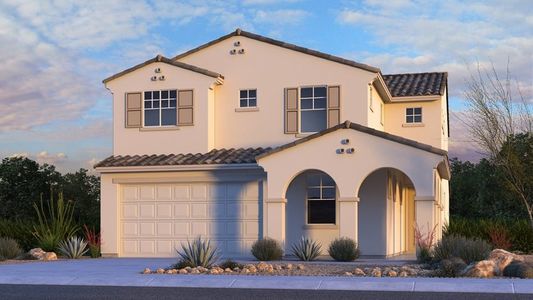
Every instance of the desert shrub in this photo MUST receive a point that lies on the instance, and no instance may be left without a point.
(55, 222)
(468, 249)
(518, 269)
(343, 249)
(20, 231)
(229, 263)
(451, 267)
(424, 242)
(9, 248)
(306, 249)
(94, 241)
(499, 237)
(74, 247)
(198, 253)
(519, 232)
(267, 249)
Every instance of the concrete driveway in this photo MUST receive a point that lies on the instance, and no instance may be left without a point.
(126, 272)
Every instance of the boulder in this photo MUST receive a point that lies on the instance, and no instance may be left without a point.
(228, 270)
(194, 271)
(245, 271)
(483, 269)
(403, 274)
(213, 271)
(183, 271)
(358, 272)
(392, 273)
(263, 267)
(278, 267)
(300, 267)
(49, 256)
(376, 272)
(288, 266)
(503, 258)
(160, 271)
(348, 273)
(147, 271)
(37, 253)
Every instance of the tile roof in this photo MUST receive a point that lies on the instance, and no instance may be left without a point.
(349, 125)
(282, 44)
(216, 156)
(160, 58)
(416, 84)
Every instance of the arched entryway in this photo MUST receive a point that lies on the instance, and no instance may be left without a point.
(312, 209)
(386, 214)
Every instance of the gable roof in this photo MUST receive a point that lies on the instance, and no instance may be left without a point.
(361, 128)
(282, 44)
(416, 84)
(215, 156)
(160, 58)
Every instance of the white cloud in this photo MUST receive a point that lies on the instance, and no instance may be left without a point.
(280, 16)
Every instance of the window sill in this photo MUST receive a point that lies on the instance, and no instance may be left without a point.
(413, 125)
(302, 135)
(321, 226)
(246, 109)
(166, 128)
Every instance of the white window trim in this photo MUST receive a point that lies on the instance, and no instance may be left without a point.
(158, 127)
(315, 225)
(307, 109)
(247, 108)
(414, 115)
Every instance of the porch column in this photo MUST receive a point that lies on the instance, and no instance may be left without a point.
(275, 216)
(425, 213)
(348, 217)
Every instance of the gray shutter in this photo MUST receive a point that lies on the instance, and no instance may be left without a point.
(185, 108)
(291, 110)
(133, 110)
(334, 105)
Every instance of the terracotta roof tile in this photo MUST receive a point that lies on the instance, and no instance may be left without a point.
(416, 84)
(215, 156)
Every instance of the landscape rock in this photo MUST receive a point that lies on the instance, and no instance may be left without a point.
(278, 267)
(183, 271)
(263, 267)
(194, 271)
(160, 271)
(300, 267)
(245, 271)
(403, 274)
(288, 266)
(49, 256)
(376, 272)
(147, 271)
(213, 271)
(392, 273)
(482, 269)
(236, 269)
(502, 259)
(37, 253)
(358, 272)
(348, 273)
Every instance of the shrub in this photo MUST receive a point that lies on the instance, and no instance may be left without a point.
(518, 269)
(93, 240)
(451, 267)
(343, 249)
(20, 231)
(267, 249)
(74, 247)
(499, 237)
(198, 253)
(468, 249)
(424, 242)
(55, 222)
(228, 263)
(307, 249)
(9, 248)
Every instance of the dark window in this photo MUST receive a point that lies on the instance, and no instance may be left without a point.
(413, 115)
(321, 196)
(160, 108)
(313, 109)
(248, 98)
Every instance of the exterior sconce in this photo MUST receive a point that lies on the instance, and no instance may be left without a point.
(157, 70)
(237, 44)
(345, 141)
(350, 150)
(154, 78)
(340, 151)
(241, 51)
(233, 51)
(162, 77)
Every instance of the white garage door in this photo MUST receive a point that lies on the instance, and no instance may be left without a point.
(157, 218)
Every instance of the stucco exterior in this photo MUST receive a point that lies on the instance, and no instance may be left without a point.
(388, 175)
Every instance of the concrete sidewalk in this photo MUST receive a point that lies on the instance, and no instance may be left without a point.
(126, 272)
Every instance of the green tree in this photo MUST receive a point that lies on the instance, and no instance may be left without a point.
(84, 190)
(22, 182)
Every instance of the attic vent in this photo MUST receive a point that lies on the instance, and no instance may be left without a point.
(241, 51)
(232, 51)
(237, 44)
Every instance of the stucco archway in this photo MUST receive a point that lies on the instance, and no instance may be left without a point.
(386, 213)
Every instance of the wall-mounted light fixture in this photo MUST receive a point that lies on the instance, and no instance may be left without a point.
(237, 44)
(162, 77)
(232, 51)
(157, 70)
(340, 151)
(154, 78)
(345, 141)
(350, 150)
(241, 51)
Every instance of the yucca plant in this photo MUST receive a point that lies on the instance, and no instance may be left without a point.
(74, 247)
(306, 249)
(55, 222)
(198, 253)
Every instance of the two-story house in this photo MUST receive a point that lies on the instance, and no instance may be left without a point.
(248, 137)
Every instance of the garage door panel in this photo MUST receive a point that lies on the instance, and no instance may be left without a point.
(157, 218)
(147, 192)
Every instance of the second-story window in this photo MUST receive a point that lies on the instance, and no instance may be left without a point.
(160, 108)
(313, 109)
(248, 98)
(413, 115)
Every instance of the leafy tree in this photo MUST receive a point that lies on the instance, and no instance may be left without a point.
(84, 190)
(22, 182)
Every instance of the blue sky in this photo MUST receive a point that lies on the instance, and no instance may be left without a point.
(55, 54)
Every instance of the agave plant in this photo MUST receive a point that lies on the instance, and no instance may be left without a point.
(198, 253)
(307, 249)
(74, 247)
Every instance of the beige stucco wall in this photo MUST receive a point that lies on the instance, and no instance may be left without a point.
(185, 139)
(433, 130)
(270, 69)
(374, 111)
